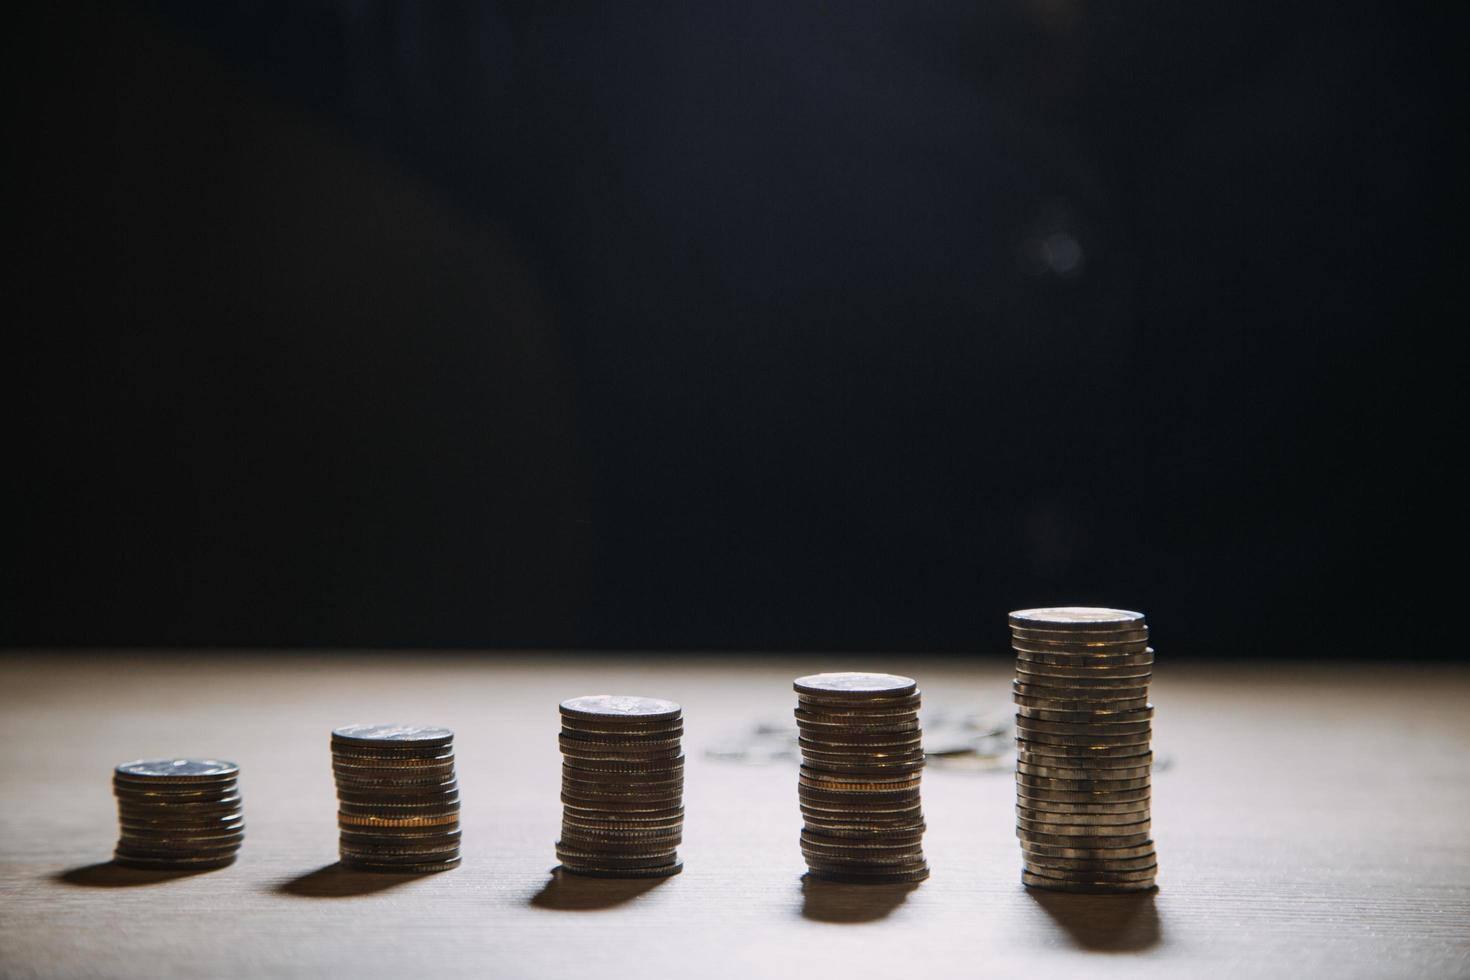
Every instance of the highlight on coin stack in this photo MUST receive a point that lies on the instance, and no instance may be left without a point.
(862, 756)
(178, 814)
(1083, 754)
(622, 786)
(397, 798)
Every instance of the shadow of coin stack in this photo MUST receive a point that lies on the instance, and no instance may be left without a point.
(178, 814)
(861, 760)
(397, 798)
(622, 786)
(1083, 757)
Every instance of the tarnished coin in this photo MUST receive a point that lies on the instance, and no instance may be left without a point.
(174, 863)
(1090, 888)
(1025, 813)
(376, 734)
(353, 820)
(430, 867)
(1032, 781)
(1088, 683)
(1080, 727)
(1056, 866)
(1082, 772)
(857, 878)
(1094, 759)
(1091, 853)
(1065, 796)
(1104, 718)
(1055, 827)
(1084, 809)
(1098, 659)
(660, 872)
(1089, 649)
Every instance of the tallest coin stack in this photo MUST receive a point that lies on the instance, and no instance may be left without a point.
(1083, 756)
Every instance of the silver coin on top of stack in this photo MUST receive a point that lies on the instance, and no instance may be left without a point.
(1083, 753)
(622, 786)
(861, 760)
(178, 814)
(397, 798)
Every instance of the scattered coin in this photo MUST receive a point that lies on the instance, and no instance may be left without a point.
(1083, 762)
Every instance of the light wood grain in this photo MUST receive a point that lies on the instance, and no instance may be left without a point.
(1314, 821)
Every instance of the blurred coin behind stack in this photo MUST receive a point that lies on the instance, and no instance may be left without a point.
(1084, 727)
(178, 814)
(397, 798)
(861, 759)
(622, 786)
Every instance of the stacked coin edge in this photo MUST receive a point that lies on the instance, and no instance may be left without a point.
(862, 759)
(1084, 754)
(622, 788)
(178, 814)
(397, 798)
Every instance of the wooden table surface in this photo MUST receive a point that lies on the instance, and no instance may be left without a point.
(1313, 821)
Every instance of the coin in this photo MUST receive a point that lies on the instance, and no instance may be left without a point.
(1082, 772)
(855, 685)
(894, 878)
(1093, 853)
(1077, 617)
(1056, 865)
(1035, 881)
(602, 707)
(375, 734)
(174, 771)
(1083, 660)
(418, 868)
(1079, 635)
(1039, 814)
(1105, 717)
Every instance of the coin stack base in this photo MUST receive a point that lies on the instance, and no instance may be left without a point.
(397, 798)
(1083, 754)
(178, 814)
(861, 760)
(622, 787)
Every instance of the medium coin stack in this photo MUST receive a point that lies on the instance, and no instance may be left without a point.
(178, 814)
(397, 798)
(1083, 725)
(861, 760)
(622, 786)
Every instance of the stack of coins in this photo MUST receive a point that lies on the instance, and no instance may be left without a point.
(1083, 725)
(861, 760)
(397, 798)
(178, 814)
(622, 786)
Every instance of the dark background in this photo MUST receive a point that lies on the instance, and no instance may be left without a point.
(758, 325)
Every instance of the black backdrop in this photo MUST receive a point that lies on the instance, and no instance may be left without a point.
(759, 325)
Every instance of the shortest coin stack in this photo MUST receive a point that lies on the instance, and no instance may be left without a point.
(178, 814)
(397, 798)
(1083, 753)
(861, 759)
(622, 786)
